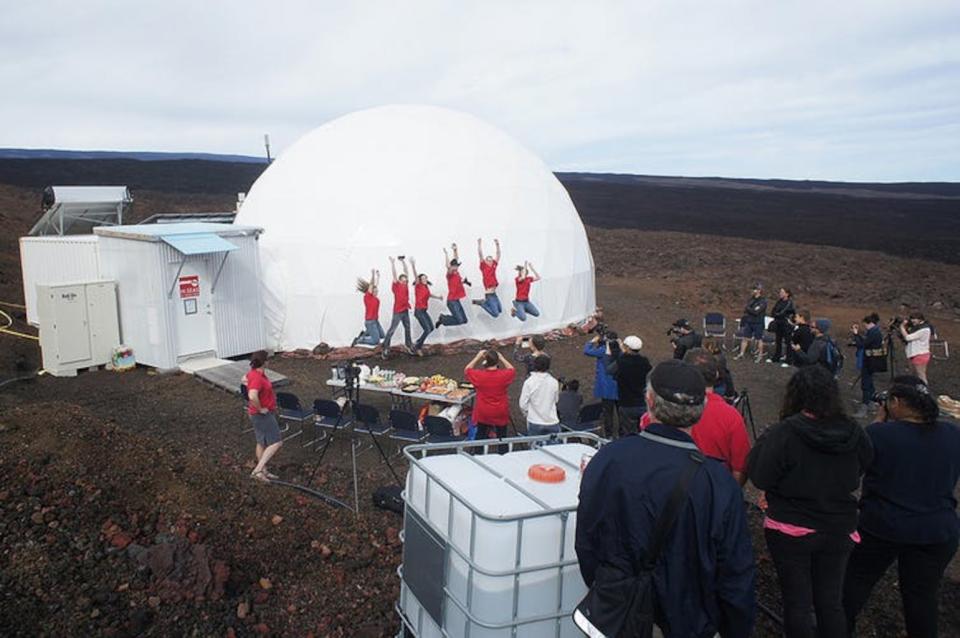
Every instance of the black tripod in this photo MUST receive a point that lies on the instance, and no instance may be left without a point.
(742, 403)
(351, 391)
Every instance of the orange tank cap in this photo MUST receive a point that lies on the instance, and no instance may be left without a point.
(547, 473)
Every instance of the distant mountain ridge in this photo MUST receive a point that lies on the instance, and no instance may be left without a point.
(143, 156)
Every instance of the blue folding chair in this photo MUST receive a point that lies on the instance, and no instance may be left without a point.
(715, 325)
(290, 411)
(405, 427)
(588, 420)
(367, 420)
(439, 430)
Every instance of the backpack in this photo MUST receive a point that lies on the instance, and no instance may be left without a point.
(833, 357)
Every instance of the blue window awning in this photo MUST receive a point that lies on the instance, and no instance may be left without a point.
(198, 243)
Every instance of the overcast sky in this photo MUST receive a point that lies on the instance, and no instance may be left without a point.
(828, 90)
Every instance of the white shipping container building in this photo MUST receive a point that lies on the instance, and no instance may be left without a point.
(184, 290)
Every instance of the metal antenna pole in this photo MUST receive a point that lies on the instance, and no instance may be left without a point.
(266, 144)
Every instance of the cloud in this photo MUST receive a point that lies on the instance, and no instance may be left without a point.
(854, 90)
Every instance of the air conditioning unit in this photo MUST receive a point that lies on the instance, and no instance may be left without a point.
(79, 326)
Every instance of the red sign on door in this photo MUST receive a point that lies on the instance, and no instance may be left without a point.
(189, 286)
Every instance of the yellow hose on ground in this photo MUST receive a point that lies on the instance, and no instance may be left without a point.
(6, 329)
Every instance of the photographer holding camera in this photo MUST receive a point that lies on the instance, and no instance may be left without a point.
(874, 358)
(604, 385)
(916, 332)
(683, 338)
(630, 369)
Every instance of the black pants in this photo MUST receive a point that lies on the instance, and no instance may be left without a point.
(630, 418)
(609, 415)
(485, 432)
(919, 569)
(810, 570)
(781, 335)
(867, 389)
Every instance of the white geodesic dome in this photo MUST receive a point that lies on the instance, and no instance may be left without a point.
(409, 180)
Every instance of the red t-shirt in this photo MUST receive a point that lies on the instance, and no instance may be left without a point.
(371, 306)
(523, 288)
(492, 405)
(455, 286)
(720, 433)
(489, 272)
(401, 297)
(421, 293)
(257, 380)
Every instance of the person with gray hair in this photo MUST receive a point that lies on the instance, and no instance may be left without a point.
(699, 561)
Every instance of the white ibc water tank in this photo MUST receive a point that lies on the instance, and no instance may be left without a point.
(489, 551)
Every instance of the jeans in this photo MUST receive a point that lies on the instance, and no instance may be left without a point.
(630, 418)
(919, 569)
(524, 308)
(867, 388)
(609, 411)
(372, 333)
(425, 324)
(536, 429)
(491, 303)
(398, 318)
(810, 570)
(457, 316)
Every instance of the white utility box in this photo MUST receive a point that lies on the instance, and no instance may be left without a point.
(79, 326)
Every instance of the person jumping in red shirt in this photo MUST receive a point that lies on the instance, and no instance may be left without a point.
(422, 296)
(372, 331)
(491, 408)
(401, 308)
(455, 290)
(488, 269)
(522, 306)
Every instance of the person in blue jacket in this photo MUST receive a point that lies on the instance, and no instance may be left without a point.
(872, 357)
(704, 579)
(604, 385)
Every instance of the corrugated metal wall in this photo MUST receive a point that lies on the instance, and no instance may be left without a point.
(238, 308)
(146, 324)
(56, 260)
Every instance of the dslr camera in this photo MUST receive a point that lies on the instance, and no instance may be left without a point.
(894, 323)
(600, 329)
(675, 330)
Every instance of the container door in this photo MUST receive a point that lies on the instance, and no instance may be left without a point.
(72, 332)
(194, 312)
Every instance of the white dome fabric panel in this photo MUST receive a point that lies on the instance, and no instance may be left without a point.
(409, 180)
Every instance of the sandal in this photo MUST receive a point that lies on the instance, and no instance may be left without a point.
(272, 477)
(260, 476)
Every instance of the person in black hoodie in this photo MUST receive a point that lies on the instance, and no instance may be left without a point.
(870, 346)
(809, 465)
(802, 336)
(630, 370)
(908, 507)
(783, 313)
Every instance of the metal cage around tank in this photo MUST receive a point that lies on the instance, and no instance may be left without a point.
(437, 600)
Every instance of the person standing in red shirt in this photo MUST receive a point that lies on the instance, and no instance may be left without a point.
(401, 308)
(261, 406)
(488, 269)
(720, 433)
(491, 375)
(455, 290)
(522, 306)
(372, 331)
(422, 296)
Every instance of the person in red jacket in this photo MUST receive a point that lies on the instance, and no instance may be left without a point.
(455, 290)
(488, 269)
(262, 407)
(491, 375)
(422, 297)
(372, 331)
(401, 308)
(522, 306)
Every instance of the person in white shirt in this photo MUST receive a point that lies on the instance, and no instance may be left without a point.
(538, 399)
(918, 343)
